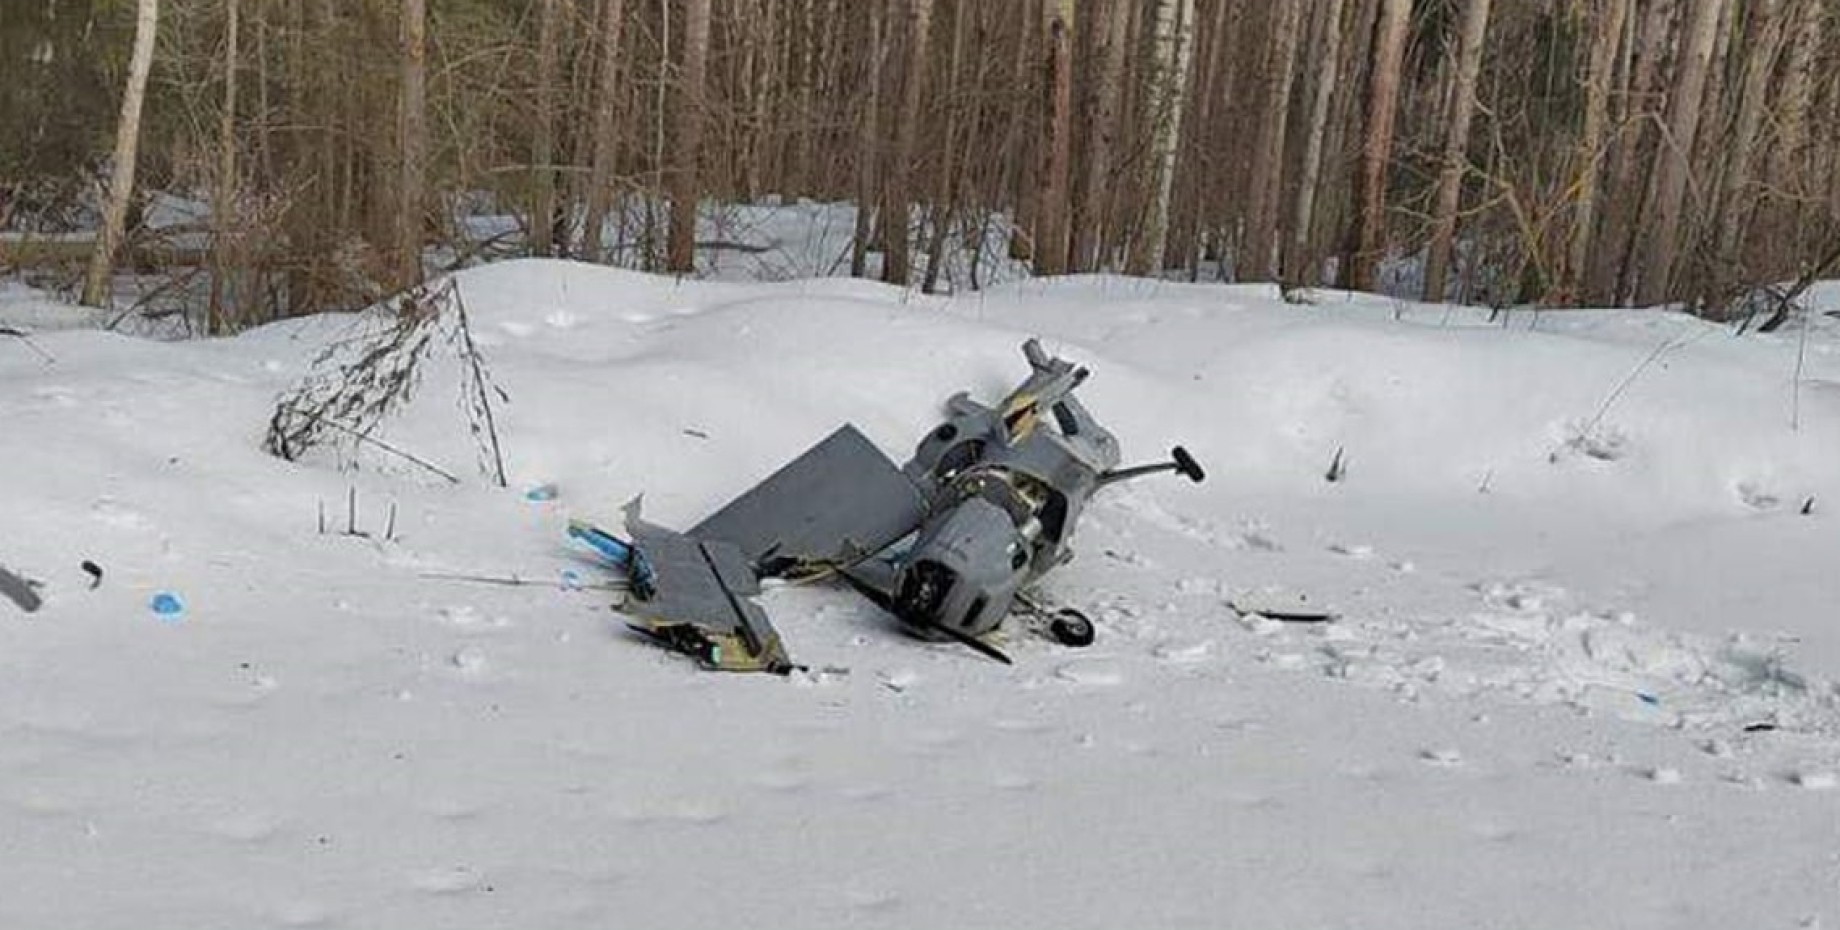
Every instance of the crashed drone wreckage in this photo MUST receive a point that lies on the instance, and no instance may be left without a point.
(948, 543)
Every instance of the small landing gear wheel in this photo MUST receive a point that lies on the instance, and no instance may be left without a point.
(1071, 628)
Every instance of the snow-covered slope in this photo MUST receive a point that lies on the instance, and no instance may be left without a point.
(1583, 676)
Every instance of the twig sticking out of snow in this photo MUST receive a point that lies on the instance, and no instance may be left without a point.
(1337, 469)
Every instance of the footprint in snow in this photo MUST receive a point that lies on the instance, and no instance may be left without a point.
(1091, 673)
(1181, 653)
(1441, 756)
(696, 812)
(1012, 781)
(1817, 780)
(470, 661)
(303, 914)
(446, 881)
(873, 899)
(111, 512)
(248, 827)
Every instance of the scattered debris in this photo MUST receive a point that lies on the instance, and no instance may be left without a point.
(20, 590)
(1337, 469)
(167, 606)
(94, 572)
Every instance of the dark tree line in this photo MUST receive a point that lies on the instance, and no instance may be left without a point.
(1561, 152)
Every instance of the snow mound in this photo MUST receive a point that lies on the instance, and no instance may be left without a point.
(1581, 566)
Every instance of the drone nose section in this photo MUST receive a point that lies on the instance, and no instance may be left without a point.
(964, 570)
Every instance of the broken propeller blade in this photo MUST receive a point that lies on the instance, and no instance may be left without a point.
(972, 642)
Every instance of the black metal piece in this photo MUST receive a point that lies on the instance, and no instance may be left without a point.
(20, 591)
(1180, 462)
(1072, 628)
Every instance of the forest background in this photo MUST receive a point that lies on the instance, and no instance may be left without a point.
(1502, 152)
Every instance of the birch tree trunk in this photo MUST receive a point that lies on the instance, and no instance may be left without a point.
(1664, 240)
(1473, 34)
(687, 141)
(543, 148)
(1606, 36)
(1369, 231)
(1262, 212)
(412, 140)
(1057, 149)
(97, 284)
(223, 201)
(1174, 38)
(1300, 263)
(897, 267)
(600, 199)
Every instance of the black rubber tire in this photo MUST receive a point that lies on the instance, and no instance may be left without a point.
(1071, 628)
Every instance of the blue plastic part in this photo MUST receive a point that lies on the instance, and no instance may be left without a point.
(542, 492)
(621, 553)
(612, 549)
(167, 606)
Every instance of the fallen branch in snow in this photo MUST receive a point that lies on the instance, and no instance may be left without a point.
(26, 338)
(386, 447)
(1785, 302)
(478, 387)
(355, 384)
(517, 581)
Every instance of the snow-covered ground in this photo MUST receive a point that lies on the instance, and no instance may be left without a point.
(1584, 673)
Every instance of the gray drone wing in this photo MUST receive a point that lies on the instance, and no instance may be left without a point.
(837, 503)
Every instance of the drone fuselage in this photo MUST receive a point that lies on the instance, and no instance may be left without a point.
(1006, 487)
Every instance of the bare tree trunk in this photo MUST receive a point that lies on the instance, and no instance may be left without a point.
(1175, 28)
(1788, 155)
(1736, 199)
(1473, 35)
(1605, 282)
(1262, 213)
(223, 203)
(1057, 147)
(687, 144)
(945, 195)
(897, 265)
(1664, 241)
(96, 286)
(1606, 36)
(1301, 264)
(606, 128)
(1113, 28)
(412, 140)
(868, 142)
(1021, 166)
(543, 148)
(1369, 230)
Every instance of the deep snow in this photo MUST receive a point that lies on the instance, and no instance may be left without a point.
(1584, 674)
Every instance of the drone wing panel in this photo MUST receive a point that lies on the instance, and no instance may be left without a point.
(838, 502)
